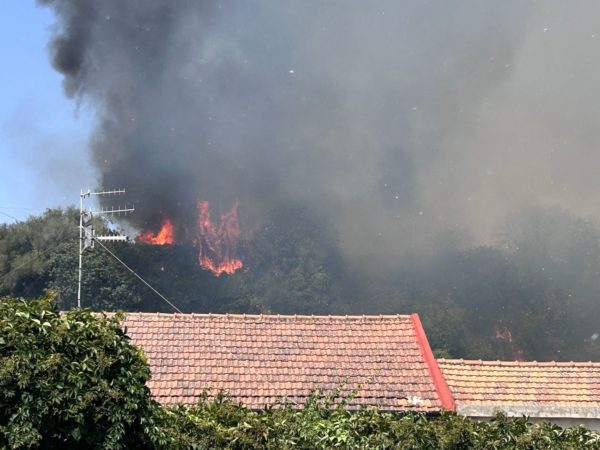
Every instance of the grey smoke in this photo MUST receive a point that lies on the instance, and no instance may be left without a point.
(400, 120)
(42, 150)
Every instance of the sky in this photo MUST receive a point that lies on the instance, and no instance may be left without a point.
(39, 126)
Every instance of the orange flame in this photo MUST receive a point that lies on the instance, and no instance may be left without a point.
(217, 246)
(163, 237)
(503, 333)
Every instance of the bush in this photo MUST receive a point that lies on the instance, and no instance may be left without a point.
(221, 423)
(70, 379)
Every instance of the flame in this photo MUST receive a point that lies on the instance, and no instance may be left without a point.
(503, 333)
(163, 237)
(217, 246)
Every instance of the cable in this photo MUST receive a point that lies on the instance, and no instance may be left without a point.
(14, 208)
(8, 215)
(21, 209)
(16, 268)
(141, 279)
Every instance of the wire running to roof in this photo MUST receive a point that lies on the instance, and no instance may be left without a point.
(139, 277)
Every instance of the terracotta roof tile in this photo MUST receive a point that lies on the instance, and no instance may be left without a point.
(536, 389)
(262, 359)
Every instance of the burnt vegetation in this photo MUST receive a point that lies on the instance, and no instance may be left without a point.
(532, 296)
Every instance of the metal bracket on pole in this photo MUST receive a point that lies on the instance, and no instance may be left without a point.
(111, 238)
(88, 237)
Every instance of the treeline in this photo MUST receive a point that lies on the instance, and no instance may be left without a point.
(74, 380)
(531, 295)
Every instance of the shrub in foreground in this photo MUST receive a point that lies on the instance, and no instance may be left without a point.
(221, 423)
(72, 380)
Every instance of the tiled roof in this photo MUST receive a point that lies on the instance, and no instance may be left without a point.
(535, 389)
(263, 359)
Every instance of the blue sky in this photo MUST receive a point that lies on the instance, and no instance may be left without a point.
(43, 135)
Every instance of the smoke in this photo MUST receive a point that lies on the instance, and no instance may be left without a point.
(399, 120)
(29, 129)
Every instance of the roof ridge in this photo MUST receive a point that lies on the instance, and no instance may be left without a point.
(441, 386)
(272, 316)
(504, 363)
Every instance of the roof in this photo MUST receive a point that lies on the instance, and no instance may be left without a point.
(265, 359)
(534, 389)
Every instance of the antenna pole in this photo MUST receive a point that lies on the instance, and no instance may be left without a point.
(87, 234)
(80, 247)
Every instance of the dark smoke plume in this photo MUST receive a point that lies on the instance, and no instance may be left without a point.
(400, 120)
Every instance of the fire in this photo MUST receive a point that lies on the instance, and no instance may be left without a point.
(503, 333)
(163, 237)
(217, 246)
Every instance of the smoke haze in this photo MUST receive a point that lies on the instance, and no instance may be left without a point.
(401, 121)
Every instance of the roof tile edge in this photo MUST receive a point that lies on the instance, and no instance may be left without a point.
(404, 317)
(541, 364)
(444, 392)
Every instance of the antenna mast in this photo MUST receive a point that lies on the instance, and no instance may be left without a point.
(87, 234)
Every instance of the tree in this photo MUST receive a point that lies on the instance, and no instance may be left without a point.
(551, 244)
(72, 379)
(293, 264)
(26, 247)
(42, 252)
(106, 285)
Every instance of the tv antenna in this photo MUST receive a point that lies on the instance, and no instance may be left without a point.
(87, 234)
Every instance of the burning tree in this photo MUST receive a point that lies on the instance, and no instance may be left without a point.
(216, 244)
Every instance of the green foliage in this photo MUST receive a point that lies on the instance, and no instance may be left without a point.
(42, 253)
(70, 379)
(293, 265)
(25, 249)
(105, 285)
(561, 250)
(533, 295)
(320, 424)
